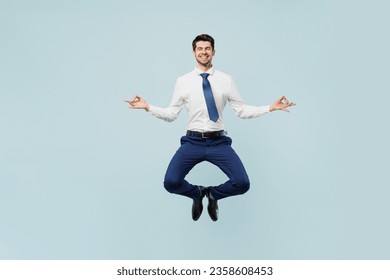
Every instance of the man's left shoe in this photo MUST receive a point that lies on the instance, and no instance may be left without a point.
(212, 208)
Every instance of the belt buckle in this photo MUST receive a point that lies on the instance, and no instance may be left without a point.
(203, 135)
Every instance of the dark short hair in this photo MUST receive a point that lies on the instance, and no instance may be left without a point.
(203, 37)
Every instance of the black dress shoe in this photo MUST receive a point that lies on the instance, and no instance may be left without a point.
(212, 207)
(197, 205)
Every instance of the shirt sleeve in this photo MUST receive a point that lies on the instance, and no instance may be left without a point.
(171, 112)
(241, 109)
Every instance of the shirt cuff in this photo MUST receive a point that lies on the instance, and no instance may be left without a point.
(151, 108)
(265, 109)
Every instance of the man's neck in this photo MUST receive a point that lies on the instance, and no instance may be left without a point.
(204, 68)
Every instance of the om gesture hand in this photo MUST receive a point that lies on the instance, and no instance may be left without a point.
(138, 103)
(281, 104)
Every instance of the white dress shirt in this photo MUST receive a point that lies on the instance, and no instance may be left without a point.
(188, 92)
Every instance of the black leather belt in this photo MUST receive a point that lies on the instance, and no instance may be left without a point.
(210, 134)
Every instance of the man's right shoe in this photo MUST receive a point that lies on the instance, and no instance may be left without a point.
(197, 205)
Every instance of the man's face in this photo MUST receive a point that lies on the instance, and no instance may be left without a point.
(203, 53)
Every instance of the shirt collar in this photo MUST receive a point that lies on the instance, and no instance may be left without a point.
(210, 71)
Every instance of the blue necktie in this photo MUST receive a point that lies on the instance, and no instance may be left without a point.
(208, 95)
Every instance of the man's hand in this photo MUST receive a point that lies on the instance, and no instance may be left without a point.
(138, 103)
(281, 104)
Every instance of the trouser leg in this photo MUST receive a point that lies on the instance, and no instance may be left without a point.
(222, 155)
(187, 156)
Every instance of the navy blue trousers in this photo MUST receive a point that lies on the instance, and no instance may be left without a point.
(219, 152)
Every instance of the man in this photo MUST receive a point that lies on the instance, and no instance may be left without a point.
(204, 92)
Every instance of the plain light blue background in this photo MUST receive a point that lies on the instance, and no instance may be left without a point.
(81, 175)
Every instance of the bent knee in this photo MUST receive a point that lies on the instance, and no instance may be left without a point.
(172, 185)
(242, 186)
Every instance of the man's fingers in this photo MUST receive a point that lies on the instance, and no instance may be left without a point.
(137, 98)
(282, 103)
